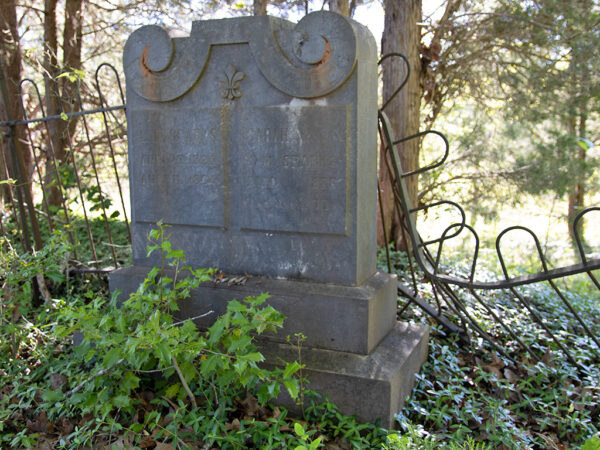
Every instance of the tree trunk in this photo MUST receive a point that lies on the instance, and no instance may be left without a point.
(576, 195)
(56, 128)
(11, 55)
(72, 40)
(260, 7)
(401, 34)
(66, 100)
(577, 121)
(340, 6)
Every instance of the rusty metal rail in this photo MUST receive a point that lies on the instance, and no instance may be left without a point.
(445, 287)
(84, 170)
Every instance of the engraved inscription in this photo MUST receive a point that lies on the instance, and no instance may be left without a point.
(177, 170)
(291, 170)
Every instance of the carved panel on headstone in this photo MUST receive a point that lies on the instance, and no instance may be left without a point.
(255, 139)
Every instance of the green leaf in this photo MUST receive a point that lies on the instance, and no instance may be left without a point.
(136, 427)
(166, 246)
(216, 331)
(254, 357)
(261, 299)
(152, 274)
(73, 75)
(78, 73)
(208, 366)
(235, 306)
(188, 370)
(268, 391)
(151, 249)
(52, 396)
(299, 429)
(291, 369)
(55, 277)
(292, 387)
(121, 401)
(240, 366)
(130, 381)
(239, 343)
(163, 353)
(172, 390)
(177, 254)
(111, 357)
(584, 143)
(63, 116)
(592, 443)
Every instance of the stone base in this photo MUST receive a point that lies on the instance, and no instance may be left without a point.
(355, 352)
(371, 386)
(341, 318)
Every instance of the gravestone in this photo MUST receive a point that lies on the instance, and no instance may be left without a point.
(255, 139)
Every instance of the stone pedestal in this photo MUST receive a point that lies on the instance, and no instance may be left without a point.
(355, 351)
(343, 318)
(372, 386)
(255, 139)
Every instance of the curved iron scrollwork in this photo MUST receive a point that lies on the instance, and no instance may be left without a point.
(442, 282)
(585, 266)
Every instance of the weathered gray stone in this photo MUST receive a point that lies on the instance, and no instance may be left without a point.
(372, 386)
(255, 139)
(343, 318)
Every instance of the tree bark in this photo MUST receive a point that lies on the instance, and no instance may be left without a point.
(11, 54)
(55, 152)
(576, 197)
(401, 34)
(577, 122)
(66, 100)
(340, 6)
(260, 7)
(72, 40)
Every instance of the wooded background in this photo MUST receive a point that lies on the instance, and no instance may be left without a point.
(517, 80)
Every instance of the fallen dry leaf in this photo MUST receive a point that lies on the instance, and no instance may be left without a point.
(276, 412)
(58, 381)
(64, 426)
(548, 357)
(510, 375)
(552, 442)
(233, 425)
(146, 443)
(40, 424)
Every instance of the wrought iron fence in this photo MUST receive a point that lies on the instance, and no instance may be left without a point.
(69, 166)
(445, 286)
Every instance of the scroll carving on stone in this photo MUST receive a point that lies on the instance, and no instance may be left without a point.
(321, 56)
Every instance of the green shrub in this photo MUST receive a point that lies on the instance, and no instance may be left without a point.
(127, 346)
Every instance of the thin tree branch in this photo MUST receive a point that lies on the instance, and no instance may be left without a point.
(184, 383)
(96, 375)
(193, 318)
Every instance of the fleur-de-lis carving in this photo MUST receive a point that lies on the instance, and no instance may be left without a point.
(230, 85)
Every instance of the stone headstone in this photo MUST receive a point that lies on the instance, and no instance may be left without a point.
(255, 139)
